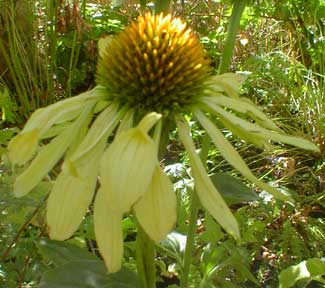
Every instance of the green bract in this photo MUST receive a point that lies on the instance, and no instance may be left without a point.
(155, 69)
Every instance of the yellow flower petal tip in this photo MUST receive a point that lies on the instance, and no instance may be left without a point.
(148, 121)
(23, 147)
(156, 210)
(108, 231)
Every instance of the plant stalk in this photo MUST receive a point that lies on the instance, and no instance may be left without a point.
(145, 259)
(162, 6)
(233, 26)
(194, 209)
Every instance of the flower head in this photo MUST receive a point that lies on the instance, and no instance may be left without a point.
(154, 69)
(155, 64)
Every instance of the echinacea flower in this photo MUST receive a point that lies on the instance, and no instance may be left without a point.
(154, 70)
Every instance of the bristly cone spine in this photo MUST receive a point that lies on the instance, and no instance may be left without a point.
(155, 64)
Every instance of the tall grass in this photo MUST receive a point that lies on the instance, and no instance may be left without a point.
(29, 52)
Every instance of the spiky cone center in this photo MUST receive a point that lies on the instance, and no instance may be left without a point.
(155, 64)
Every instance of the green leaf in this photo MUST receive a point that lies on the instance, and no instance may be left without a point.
(61, 252)
(87, 274)
(232, 189)
(309, 269)
(315, 266)
(213, 232)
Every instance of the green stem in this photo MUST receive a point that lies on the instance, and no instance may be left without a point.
(233, 26)
(194, 208)
(162, 6)
(145, 258)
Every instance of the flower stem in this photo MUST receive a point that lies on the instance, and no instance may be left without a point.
(145, 258)
(194, 208)
(233, 26)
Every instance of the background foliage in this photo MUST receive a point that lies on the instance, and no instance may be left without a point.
(48, 51)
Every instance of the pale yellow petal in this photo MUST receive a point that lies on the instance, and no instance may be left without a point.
(75, 185)
(229, 83)
(244, 106)
(126, 123)
(208, 195)
(65, 110)
(233, 157)
(108, 231)
(262, 132)
(23, 147)
(48, 156)
(72, 194)
(103, 126)
(126, 168)
(127, 165)
(148, 121)
(156, 210)
(103, 43)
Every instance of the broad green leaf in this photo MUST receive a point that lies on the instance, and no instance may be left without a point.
(316, 267)
(209, 196)
(175, 244)
(310, 269)
(61, 252)
(87, 274)
(232, 189)
(288, 277)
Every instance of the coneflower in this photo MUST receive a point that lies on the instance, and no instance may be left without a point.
(155, 69)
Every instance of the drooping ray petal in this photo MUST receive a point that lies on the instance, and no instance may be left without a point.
(64, 110)
(108, 231)
(126, 123)
(49, 155)
(262, 132)
(23, 147)
(243, 105)
(148, 121)
(253, 138)
(75, 185)
(101, 128)
(233, 157)
(72, 194)
(229, 83)
(156, 210)
(208, 195)
(42, 120)
(127, 165)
